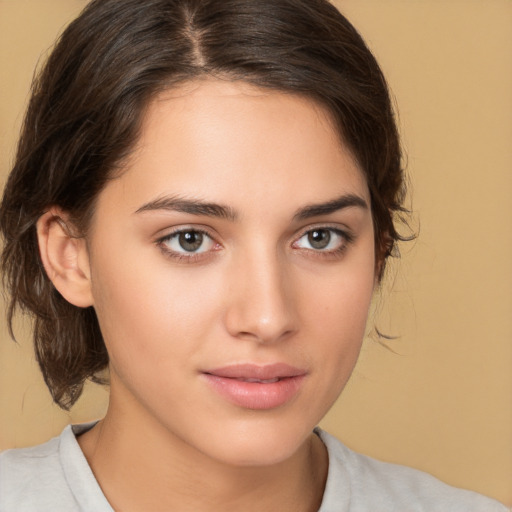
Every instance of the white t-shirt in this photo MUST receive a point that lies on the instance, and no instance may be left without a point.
(55, 477)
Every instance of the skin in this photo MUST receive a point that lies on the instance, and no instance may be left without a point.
(256, 292)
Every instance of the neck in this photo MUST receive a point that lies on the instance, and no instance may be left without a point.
(142, 466)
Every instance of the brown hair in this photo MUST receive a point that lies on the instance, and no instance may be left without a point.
(85, 112)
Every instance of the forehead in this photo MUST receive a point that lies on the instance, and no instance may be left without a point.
(230, 142)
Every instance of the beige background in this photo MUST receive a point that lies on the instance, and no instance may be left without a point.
(442, 401)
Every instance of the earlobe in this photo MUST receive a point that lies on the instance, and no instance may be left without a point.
(65, 257)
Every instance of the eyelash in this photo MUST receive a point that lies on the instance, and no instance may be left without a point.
(188, 257)
(346, 237)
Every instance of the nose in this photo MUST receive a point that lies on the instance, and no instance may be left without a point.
(262, 303)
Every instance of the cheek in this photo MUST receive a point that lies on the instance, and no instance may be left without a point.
(338, 313)
(151, 313)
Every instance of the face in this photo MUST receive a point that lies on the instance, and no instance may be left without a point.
(232, 267)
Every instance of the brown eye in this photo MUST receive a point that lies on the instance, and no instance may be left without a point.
(327, 240)
(319, 238)
(190, 241)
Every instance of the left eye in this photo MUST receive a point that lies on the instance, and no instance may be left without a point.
(189, 241)
(321, 239)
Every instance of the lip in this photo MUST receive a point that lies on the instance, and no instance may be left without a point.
(257, 387)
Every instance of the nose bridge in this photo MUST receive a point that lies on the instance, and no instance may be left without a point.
(261, 304)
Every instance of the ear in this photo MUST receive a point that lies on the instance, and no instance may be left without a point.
(65, 257)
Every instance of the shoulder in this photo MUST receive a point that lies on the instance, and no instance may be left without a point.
(49, 477)
(30, 478)
(374, 485)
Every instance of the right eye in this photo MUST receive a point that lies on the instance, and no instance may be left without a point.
(187, 241)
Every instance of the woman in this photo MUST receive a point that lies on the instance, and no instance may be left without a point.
(203, 203)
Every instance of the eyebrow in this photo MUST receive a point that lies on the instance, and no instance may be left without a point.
(198, 207)
(340, 203)
(194, 207)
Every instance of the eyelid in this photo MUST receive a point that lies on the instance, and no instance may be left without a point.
(164, 234)
(345, 233)
(186, 256)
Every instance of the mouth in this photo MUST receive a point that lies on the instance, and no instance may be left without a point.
(256, 387)
(261, 381)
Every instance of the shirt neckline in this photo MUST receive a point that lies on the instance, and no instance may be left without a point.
(79, 476)
(89, 496)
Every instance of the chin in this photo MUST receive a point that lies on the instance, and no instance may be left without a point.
(260, 444)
